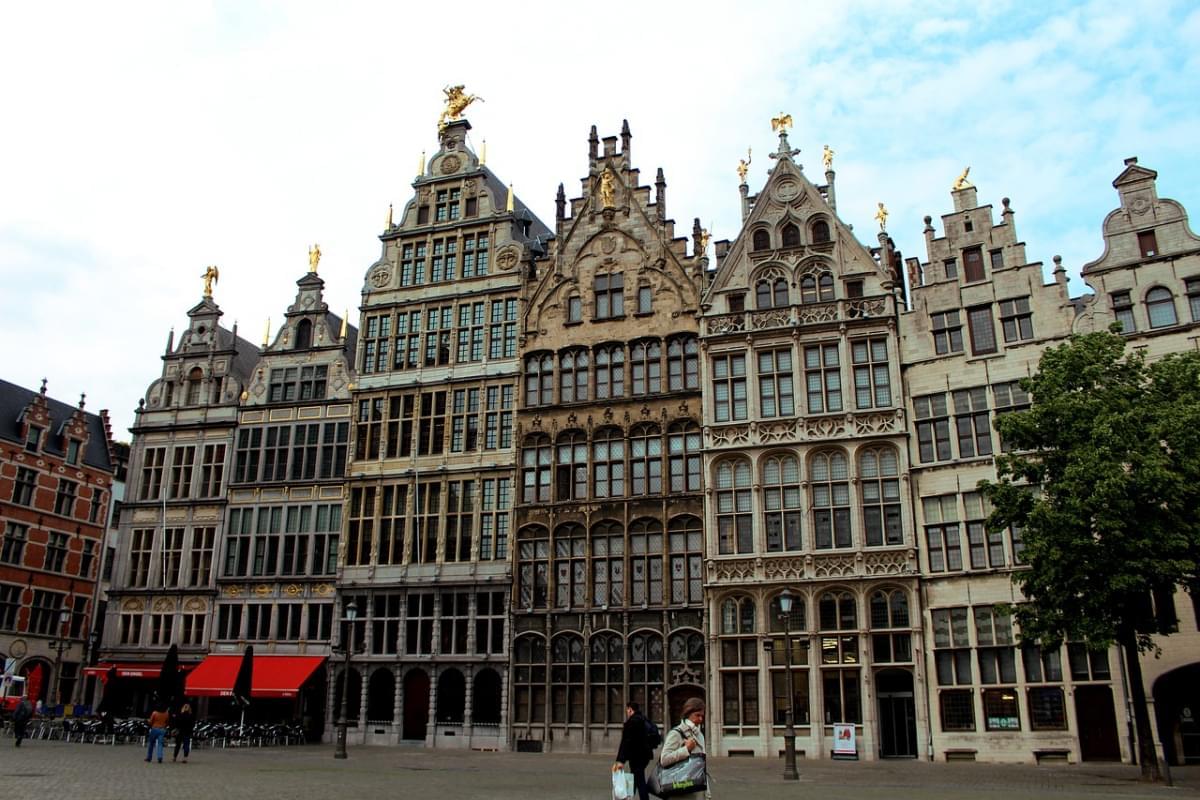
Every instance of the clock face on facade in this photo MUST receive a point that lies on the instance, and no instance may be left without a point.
(18, 648)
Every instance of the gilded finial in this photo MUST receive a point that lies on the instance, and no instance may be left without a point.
(210, 276)
(882, 215)
(781, 122)
(389, 216)
(483, 153)
(827, 157)
(456, 102)
(743, 166)
(267, 333)
(510, 204)
(961, 182)
(342, 332)
(314, 257)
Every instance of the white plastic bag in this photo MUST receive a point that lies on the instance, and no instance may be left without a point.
(622, 785)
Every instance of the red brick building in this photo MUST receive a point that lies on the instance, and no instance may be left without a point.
(56, 477)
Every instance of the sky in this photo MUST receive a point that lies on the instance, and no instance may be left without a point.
(141, 142)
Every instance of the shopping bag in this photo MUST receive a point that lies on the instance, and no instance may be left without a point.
(684, 777)
(622, 785)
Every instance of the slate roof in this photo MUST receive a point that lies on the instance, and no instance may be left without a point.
(13, 401)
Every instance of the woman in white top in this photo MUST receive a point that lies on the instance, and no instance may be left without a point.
(686, 738)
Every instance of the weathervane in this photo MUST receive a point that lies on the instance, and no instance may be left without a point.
(781, 123)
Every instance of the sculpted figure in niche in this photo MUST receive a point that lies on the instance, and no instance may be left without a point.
(608, 194)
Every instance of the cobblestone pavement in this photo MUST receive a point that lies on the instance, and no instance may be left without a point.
(100, 772)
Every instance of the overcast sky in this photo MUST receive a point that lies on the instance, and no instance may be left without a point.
(141, 142)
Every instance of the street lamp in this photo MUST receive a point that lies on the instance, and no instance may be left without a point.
(789, 735)
(59, 644)
(348, 645)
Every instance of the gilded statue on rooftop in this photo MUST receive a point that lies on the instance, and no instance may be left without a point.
(827, 157)
(456, 102)
(314, 257)
(962, 182)
(210, 276)
(882, 215)
(743, 166)
(781, 123)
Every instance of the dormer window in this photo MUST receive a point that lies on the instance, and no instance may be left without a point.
(72, 451)
(1147, 243)
(194, 382)
(762, 240)
(33, 438)
(303, 335)
(791, 235)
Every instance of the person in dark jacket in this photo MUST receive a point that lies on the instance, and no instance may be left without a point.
(184, 723)
(20, 719)
(635, 748)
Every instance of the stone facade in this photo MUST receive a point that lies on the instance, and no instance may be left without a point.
(425, 559)
(607, 601)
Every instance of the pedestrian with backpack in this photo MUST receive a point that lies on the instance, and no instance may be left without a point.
(20, 718)
(639, 737)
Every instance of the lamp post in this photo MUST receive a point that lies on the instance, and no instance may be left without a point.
(59, 644)
(789, 735)
(348, 645)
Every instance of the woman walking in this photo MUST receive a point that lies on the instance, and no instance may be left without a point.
(185, 723)
(686, 739)
(158, 731)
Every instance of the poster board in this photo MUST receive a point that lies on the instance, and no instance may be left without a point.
(845, 742)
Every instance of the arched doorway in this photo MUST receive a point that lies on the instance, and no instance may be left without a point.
(353, 700)
(485, 698)
(897, 714)
(452, 697)
(677, 696)
(1177, 709)
(416, 704)
(381, 696)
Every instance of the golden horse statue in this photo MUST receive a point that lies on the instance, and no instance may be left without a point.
(456, 102)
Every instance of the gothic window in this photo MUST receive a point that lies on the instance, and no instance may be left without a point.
(573, 376)
(781, 503)
(686, 554)
(683, 447)
(889, 610)
(879, 484)
(570, 566)
(645, 460)
(1160, 307)
(571, 466)
(799, 699)
(608, 463)
(566, 679)
(535, 469)
(610, 372)
(739, 664)
(610, 298)
(830, 489)
(735, 529)
(791, 235)
(820, 231)
(683, 363)
(529, 679)
(646, 673)
(762, 240)
(608, 564)
(776, 394)
(646, 367)
(646, 562)
(823, 378)
(838, 620)
(607, 678)
(539, 380)
(729, 387)
(533, 555)
(771, 293)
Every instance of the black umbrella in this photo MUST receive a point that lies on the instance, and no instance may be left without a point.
(168, 679)
(245, 678)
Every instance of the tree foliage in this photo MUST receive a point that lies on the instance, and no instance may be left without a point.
(1112, 445)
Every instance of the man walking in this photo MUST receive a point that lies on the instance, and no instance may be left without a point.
(20, 718)
(636, 748)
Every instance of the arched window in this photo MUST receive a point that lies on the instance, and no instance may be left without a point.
(608, 463)
(686, 553)
(781, 503)
(879, 484)
(889, 609)
(646, 665)
(840, 681)
(645, 460)
(573, 376)
(1160, 306)
(571, 468)
(610, 372)
(539, 379)
(355, 697)
(608, 564)
(533, 566)
(485, 697)
(739, 664)
(771, 294)
(381, 696)
(570, 566)
(825, 286)
(762, 240)
(195, 380)
(529, 679)
(451, 697)
(735, 530)
(683, 363)
(781, 698)
(535, 469)
(686, 647)
(646, 562)
(683, 447)
(830, 489)
(646, 363)
(820, 231)
(838, 611)
(566, 678)
(303, 335)
(607, 678)
(791, 235)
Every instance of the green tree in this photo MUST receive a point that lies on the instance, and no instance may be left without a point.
(1103, 476)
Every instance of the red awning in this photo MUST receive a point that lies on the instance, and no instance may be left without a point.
(130, 670)
(274, 676)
